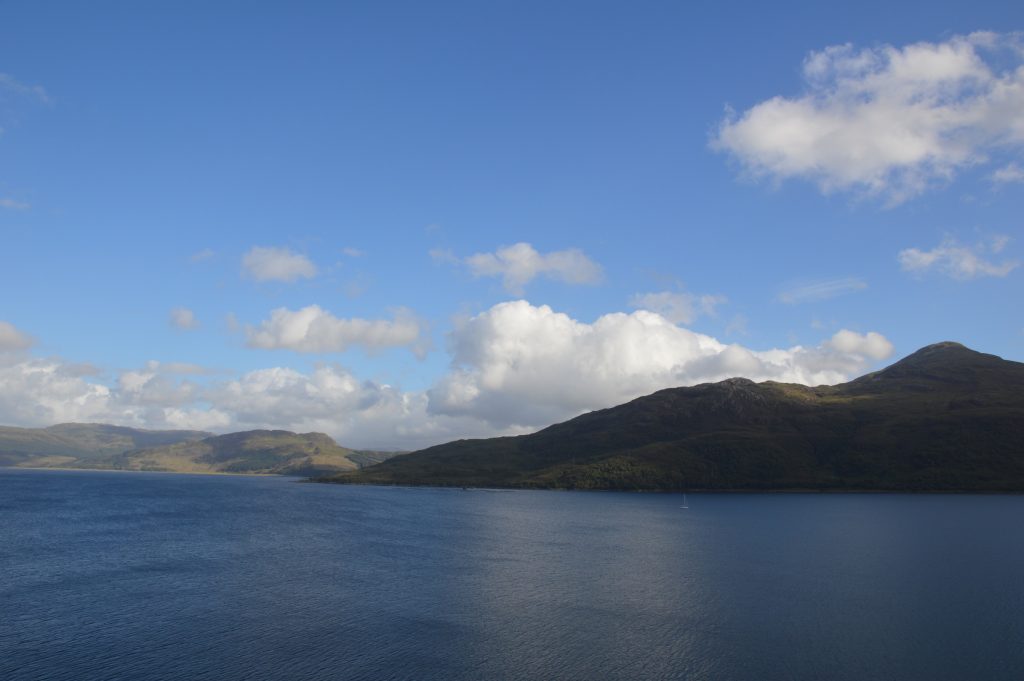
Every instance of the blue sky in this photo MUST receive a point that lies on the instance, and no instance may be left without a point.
(696, 191)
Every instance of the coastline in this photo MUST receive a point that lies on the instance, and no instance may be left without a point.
(128, 470)
(694, 490)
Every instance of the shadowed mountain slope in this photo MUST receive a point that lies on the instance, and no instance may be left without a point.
(944, 418)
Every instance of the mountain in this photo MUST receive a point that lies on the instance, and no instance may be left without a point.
(97, 445)
(80, 443)
(254, 451)
(944, 418)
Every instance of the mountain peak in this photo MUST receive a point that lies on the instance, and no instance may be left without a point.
(945, 362)
(943, 354)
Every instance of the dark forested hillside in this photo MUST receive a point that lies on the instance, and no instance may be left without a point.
(944, 418)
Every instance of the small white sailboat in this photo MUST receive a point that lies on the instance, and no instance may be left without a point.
(685, 505)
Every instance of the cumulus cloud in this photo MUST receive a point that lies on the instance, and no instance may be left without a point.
(276, 264)
(315, 330)
(330, 399)
(184, 319)
(808, 292)
(519, 264)
(958, 261)
(888, 121)
(871, 345)
(676, 306)
(12, 204)
(12, 339)
(521, 365)
(41, 392)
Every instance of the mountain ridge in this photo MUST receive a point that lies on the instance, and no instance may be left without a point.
(65, 443)
(104, 446)
(945, 417)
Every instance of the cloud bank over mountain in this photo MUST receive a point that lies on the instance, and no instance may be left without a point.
(515, 367)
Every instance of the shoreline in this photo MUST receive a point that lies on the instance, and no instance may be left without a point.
(695, 490)
(499, 488)
(129, 470)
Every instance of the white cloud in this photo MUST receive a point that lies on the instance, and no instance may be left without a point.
(330, 399)
(871, 345)
(521, 365)
(277, 264)
(41, 392)
(184, 319)
(202, 255)
(312, 329)
(808, 292)
(12, 339)
(1009, 174)
(353, 252)
(959, 261)
(13, 204)
(677, 307)
(888, 121)
(521, 263)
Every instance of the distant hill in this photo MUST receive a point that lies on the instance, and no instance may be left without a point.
(254, 451)
(944, 418)
(93, 445)
(81, 443)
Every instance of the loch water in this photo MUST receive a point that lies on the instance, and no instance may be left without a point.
(108, 575)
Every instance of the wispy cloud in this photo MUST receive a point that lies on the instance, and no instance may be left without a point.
(184, 319)
(737, 326)
(1011, 173)
(814, 291)
(888, 121)
(519, 264)
(443, 256)
(13, 339)
(264, 263)
(678, 307)
(353, 252)
(11, 84)
(958, 261)
(202, 255)
(13, 204)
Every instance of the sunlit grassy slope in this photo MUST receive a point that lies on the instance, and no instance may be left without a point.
(85, 443)
(78, 445)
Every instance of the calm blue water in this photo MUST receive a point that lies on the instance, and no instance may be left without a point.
(150, 576)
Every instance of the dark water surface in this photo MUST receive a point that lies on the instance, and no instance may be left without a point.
(152, 576)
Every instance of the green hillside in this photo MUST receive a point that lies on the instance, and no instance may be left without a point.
(944, 418)
(96, 445)
(254, 451)
(80, 443)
